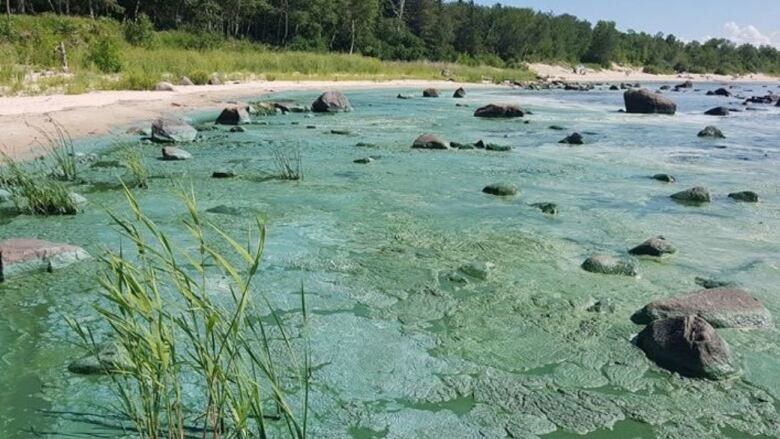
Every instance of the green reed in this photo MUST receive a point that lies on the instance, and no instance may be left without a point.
(164, 315)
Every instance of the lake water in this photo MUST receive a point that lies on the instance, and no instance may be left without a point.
(402, 346)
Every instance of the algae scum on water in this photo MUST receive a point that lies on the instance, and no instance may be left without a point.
(435, 309)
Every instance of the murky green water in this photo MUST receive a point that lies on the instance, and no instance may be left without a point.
(402, 346)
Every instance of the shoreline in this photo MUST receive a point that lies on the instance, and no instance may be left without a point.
(619, 74)
(102, 112)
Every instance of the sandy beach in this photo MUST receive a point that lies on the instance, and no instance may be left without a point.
(627, 74)
(98, 113)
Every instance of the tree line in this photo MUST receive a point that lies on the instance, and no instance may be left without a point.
(458, 31)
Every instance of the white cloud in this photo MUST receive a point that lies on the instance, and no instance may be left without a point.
(751, 35)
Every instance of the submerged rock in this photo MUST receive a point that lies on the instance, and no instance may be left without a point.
(430, 93)
(164, 86)
(695, 195)
(478, 270)
(548, 208)
(666, 178)
(497, 148)
(745, 196)
(331, 102)
(109, 358)
(714, 283)
(717, 111)
(604, 264)
(20, 256)
(712, 132)
(171, 153)
(657, 247)
(500, 189)
(645, 102)
(689, 346)
(238, 115)
(573, 139)
(405, 96)
(430, 141)
(556, 127)
(364, 161)
(172, 131)
(499, 111)
(223, 173)
(238, 129)
(459, 93)
(720, 307)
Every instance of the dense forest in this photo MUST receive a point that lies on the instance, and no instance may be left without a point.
(457, 31)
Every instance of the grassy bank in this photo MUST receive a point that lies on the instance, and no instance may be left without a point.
(100, 57)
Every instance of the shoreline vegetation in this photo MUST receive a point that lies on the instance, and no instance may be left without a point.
(66, 52)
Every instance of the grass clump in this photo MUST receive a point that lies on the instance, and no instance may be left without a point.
(133, 160)
(60, 149)
(34, 193)
(288, 163)
(176, 331)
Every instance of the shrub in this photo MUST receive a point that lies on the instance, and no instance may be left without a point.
(34, 193)
(104, 54)
(139, 32)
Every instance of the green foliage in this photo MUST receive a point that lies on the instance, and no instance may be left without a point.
(105, 55)
(134, 162)
(177, 329)
(139, 32)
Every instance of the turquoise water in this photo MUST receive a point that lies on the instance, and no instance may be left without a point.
(402, 348)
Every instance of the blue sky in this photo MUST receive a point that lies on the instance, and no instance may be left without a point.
(744, 21)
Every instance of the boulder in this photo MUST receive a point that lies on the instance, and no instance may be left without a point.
(363, 161)
(499, 111)
(548, 208)
(719, 92)
(430, 141)
(711, 132)
(644, 101)
(20, 256)
(695, 195)
(657, 247)
(170, 153)
(214, 80)
(666, 178)
(746, 196)
(164, 86)
(605, 264)
(238, 129)
(614, 87)
(238, 115)
(689, 346)
(500, 189)
(4, 196)
(331, 102)
(430, 93)
(172, 130)
(717, 111)
(405, 96)
(459, 93)
(686, 84)
(185, 81)
(720, 307)
(573, 139)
